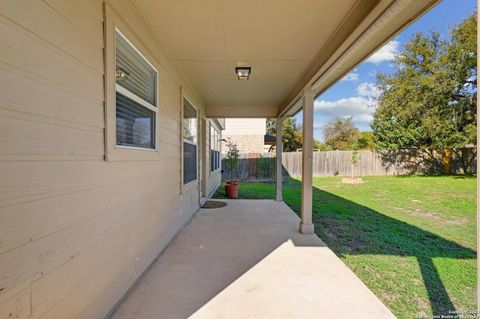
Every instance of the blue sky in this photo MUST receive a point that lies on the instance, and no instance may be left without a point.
(352, 96)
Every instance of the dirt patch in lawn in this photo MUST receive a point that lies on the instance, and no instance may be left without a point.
(460, 221)
(430, 216)
(435, 217)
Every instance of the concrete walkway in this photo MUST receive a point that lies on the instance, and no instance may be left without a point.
(248, 260)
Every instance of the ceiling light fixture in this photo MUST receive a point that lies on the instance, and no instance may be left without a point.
(243, 72)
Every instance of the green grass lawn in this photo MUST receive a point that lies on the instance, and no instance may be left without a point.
(411, 240)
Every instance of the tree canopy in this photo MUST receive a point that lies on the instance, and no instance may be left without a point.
(340, 133)
(291, 133)
(429, 101)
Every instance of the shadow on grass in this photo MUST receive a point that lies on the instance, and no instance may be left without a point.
(352, 229)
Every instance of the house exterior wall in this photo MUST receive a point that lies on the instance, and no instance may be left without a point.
(242, 126)
(76, 229)
(247, 133)
(246, 143)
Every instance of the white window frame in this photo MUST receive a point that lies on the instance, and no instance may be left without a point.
(211, 136)
(191, 143)
(219, 149)
(120, 89)
(215, 145)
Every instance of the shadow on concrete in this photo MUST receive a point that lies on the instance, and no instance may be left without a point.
(249, 260)
(208, 255)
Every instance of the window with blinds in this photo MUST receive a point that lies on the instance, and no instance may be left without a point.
(136, 97)
(215, 143)
(190, 137)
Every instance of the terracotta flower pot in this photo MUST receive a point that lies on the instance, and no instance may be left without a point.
(231, 189)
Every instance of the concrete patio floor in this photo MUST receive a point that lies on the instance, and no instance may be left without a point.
(248, 260)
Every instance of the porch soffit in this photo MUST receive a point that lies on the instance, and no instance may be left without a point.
(286, 43)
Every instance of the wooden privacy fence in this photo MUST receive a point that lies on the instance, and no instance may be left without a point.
(256, 166)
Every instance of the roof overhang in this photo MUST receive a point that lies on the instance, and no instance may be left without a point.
(289, 46)
(384, 22)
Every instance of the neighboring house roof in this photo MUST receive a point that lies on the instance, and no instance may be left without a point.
(269, 139)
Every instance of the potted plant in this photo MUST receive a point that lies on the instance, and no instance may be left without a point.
(231, 186)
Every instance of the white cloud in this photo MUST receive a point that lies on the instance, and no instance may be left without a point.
(359, 108)
(351, 77)
(386, 53)
(343, 107)
(368, 90)
(363, 118)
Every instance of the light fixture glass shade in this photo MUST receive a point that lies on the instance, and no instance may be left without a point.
(243, 72)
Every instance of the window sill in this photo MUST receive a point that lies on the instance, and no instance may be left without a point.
(136, 148)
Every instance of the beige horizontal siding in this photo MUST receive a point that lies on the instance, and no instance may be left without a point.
(32, 217)
(46, 26)
(49, 138)
(75, 230)
(32, 55)
(21, 92)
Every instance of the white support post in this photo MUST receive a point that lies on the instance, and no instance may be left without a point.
(306, 224)
(279, 151)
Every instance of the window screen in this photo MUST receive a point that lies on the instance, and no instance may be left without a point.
(136, 100)
(189, 163)
(135, 123)
(217, 152)
(212, 148)
(134, 73)
(189, 122)
(190, 127)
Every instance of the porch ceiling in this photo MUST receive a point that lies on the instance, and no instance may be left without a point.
(286, 43)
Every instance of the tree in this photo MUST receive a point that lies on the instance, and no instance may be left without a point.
(429, 101)
(340, 134)
(321, 146)
(366, 141)
(232, 156)
(291, 133)
(355, 160)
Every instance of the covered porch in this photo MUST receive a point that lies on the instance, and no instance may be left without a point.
(102, 165)
(248, 260)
